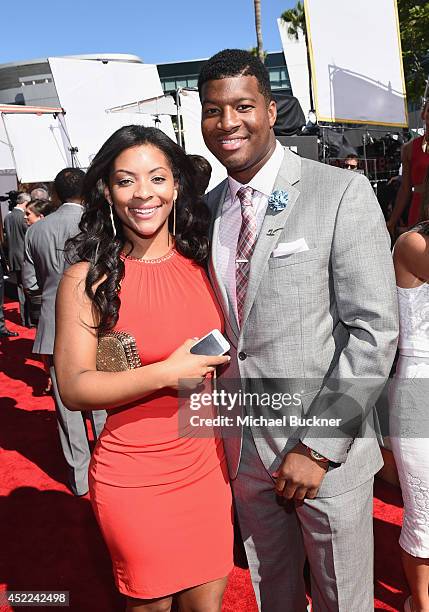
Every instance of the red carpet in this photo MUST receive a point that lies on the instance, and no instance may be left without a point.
(49, 539)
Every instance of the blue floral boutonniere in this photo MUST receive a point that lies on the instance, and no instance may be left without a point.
(278, 200)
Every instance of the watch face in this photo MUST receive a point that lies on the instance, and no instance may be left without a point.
(317, 456)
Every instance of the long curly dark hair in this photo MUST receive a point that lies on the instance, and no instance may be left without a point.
(97, 244)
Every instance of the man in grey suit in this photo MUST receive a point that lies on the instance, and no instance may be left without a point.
(43, 268)
(301, 266)
(15, 228)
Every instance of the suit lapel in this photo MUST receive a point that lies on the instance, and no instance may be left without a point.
(216, 279)
(272, 226)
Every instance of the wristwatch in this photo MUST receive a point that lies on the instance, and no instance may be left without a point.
(316, 456)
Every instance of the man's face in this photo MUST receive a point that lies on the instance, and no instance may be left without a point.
(351, 164)
(237, 125)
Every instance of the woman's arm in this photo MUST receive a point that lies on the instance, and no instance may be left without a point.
(81, 386)
(411, 259)
(404, 192)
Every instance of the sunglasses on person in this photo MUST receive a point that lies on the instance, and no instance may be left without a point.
(350, 166)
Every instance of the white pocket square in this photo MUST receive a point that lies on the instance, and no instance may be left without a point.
(288, 248)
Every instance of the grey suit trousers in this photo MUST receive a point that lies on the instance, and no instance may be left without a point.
(73, 438)
(23, 301)
(334, 533)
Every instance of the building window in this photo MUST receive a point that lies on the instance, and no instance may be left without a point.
(193, 82)
(35, 81)
(279, 78)
(168, 84)
(173, 83)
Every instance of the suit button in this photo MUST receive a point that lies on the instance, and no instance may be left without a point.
(242, 356)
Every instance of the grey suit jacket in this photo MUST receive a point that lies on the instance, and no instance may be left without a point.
(320, 323)
(44, 265)
(15, 228)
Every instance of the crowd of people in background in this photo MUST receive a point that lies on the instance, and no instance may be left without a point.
(134, 245)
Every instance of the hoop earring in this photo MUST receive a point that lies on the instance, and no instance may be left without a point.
(112, 220)
(174, 224)
(174, 217)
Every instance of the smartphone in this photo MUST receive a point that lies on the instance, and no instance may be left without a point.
(212, 343)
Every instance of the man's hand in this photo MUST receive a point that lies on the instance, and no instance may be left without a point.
(299, 475)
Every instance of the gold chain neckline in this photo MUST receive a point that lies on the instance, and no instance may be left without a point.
(157, 260)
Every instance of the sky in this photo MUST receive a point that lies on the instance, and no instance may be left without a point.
(157, 31)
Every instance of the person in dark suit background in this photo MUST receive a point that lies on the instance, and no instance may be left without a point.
(4, 332)
(43, 269)
(15, 228)
(36, 211)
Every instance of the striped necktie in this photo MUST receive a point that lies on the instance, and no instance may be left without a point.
(245, 246)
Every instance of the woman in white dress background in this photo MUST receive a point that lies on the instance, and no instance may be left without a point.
(409, 405)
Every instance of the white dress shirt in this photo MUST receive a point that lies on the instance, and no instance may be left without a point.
(229, 228)
(72, 204)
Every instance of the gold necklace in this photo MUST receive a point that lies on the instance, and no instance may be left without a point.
(155, 260)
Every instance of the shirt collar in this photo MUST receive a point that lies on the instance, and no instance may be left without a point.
(72, 204)
(264, 180)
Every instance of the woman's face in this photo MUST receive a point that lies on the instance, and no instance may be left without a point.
(142, 189)
(30, 216)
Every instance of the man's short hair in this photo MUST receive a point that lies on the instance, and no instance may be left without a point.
(40, 192)
(352, 156)
(233, 63)
(23, 197)
(68, 184)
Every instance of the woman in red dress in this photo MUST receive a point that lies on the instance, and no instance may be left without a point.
(162, 501)
(415, 165)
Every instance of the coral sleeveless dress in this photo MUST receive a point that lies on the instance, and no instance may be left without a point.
(163, 502)
(419, 168)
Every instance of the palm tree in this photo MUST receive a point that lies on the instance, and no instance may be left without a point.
(295, 19)
(258, 26)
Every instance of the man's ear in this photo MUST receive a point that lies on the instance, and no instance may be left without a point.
(272, 113)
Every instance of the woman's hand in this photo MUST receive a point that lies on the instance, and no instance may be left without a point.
(182, 364)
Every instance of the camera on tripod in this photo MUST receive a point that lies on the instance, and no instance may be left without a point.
(11, 197)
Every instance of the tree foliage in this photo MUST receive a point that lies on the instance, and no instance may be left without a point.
(414, 27)
(295, 18)
(254, 51)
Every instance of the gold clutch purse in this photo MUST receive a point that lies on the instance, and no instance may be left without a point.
(117, 352)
